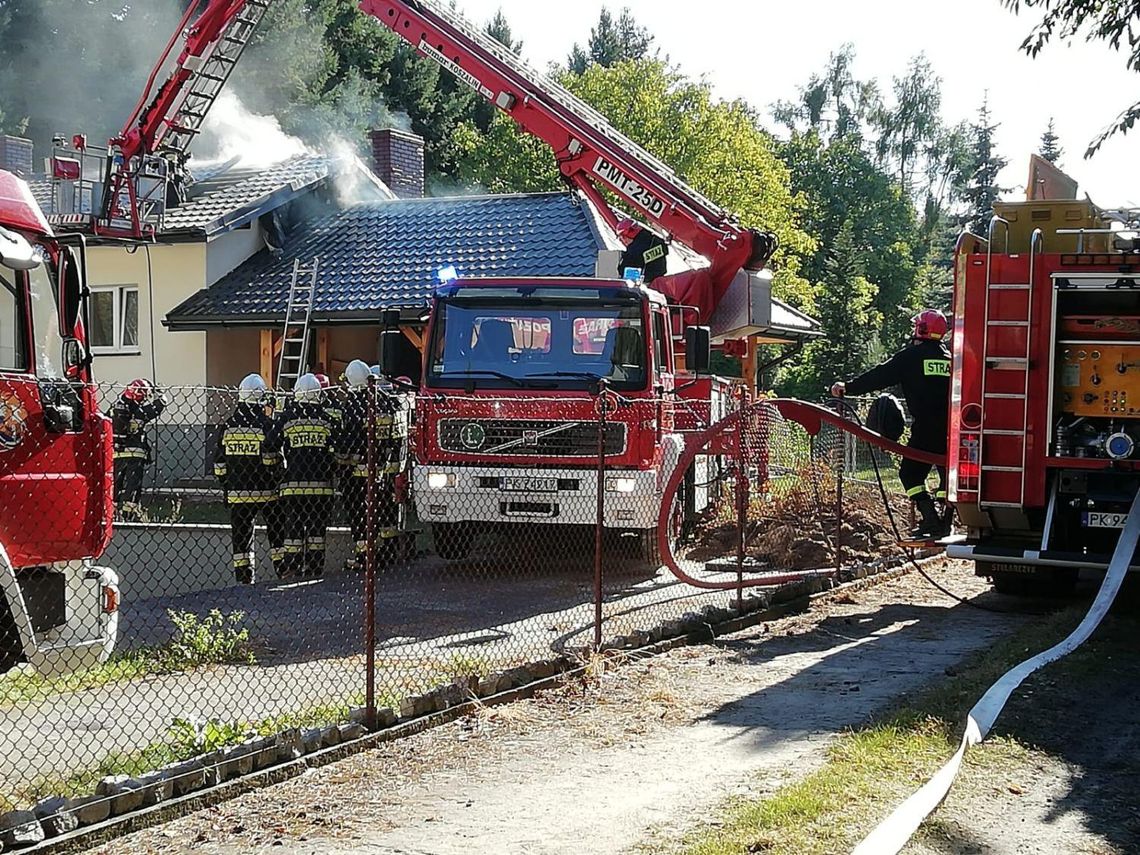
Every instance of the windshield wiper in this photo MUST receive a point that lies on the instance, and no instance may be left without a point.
(474, 371)
(584, 375)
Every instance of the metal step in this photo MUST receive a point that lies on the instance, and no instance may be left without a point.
(1008, 396)
(1002, 432)
(1007, 363)
(1017, 505)
(987, 468)
(1007, 323)
(1010, 286)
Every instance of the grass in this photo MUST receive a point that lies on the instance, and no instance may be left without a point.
(216, 639)
(869, 770)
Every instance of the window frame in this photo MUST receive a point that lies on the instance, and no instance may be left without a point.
(19, 292)
(118, 319)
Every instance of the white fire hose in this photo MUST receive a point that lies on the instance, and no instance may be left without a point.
(893, 833)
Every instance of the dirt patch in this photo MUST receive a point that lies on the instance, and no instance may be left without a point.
(636, 755)
(793, 526)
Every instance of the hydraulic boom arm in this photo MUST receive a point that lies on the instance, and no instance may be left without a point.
(590, 151)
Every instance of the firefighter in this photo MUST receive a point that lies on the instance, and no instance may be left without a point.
(308, 441)
(139, 404)
(248, 468)
(922, 369)
(390, 460)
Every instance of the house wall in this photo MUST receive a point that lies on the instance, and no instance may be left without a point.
(228, 250)
(175, 272)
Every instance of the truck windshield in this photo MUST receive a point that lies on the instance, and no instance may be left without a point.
(537, 337)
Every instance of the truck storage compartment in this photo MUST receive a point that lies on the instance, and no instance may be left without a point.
(44, 597)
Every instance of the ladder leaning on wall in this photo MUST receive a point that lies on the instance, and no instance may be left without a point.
(293, 361)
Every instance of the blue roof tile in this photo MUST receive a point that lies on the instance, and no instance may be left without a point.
(386, 255)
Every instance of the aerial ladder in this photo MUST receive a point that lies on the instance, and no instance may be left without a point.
(592, 155)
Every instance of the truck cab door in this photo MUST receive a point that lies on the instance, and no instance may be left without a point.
(55, 447)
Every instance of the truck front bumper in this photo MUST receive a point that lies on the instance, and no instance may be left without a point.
(451, 494)
(1026, 559)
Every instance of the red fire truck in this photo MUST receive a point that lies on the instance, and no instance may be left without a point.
(1045, 401)
(508, 412)
(58, 611)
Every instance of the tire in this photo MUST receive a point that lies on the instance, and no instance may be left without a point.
(452, 540)
(11, 648)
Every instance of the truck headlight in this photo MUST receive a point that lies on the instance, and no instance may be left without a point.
(440, 480)
(621, 485)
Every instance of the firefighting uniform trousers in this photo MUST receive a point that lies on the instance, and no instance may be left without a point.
(912, 473)
(387, 512)
(130, 465)
(306, 510)
(243, 515)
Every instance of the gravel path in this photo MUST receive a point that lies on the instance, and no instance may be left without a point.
(635, 757)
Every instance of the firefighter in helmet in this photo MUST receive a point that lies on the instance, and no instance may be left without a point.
(922, 369)
(308, 441)
(138, 405)
(390, 459)
(248, 468)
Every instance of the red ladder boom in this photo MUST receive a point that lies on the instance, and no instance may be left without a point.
(589, 150)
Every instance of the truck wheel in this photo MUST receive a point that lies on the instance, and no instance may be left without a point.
(452, 540)
(11, 648)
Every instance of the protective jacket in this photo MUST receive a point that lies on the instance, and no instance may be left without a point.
(128, 424)
(922, 369)
(392, 421)
(245, 463)
(307, 440)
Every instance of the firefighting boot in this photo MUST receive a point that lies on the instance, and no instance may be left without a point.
(931, 525)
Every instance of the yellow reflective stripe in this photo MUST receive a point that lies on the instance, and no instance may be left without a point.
(307, 491)
(242, 561)
(131, 453)
(220, 470)
(270, 459)
(244, 434)
(914, 491)
(389, 533)
(940, 494)
(248, 497)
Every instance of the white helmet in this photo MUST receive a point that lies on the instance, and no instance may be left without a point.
(307, 389)
(252, 389)
(356, 374)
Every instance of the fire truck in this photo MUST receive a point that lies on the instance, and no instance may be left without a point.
(1044, 454)
(516, 371)
(58, 611)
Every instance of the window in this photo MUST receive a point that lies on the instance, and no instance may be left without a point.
(661, 342)
(12, 330)
(115, 319)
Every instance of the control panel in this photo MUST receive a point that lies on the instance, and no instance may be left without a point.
(1098, 378)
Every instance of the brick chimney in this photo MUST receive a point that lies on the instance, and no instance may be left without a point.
(398, 160)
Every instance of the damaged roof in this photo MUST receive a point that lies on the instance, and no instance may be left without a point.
(387, 254)
(233, 197)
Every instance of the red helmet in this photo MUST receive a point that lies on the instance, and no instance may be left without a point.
(323, 379)
(627, 229)
(930, 325)
(137, 390)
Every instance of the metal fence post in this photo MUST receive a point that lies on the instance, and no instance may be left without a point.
(741, 502)
(370, 562)
(600, 520)
(839, 476)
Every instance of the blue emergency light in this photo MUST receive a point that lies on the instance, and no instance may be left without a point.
(632, 275)
(447, 274)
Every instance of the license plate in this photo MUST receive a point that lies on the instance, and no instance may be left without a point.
(530, 484)
(1099, 519)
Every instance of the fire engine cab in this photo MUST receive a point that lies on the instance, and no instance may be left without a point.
(1045, 398)
(58, 611)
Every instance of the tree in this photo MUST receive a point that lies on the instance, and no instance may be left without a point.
(833, 103)
(1117, 23)
(611, 42)
(981, 187)
(909, 131)
(717, 145)
(500, 30)
(845, 308)
(1050, 144)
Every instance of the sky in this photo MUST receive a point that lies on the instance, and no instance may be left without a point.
(762, 51)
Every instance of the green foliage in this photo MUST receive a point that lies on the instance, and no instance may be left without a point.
(216, 639)
(1115, 23)
(188, 738)
(983, 168)
(1051, 144)
(716, 145)
(611, 42)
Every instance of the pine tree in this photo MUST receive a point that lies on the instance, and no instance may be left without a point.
(1050, 144)
(500, 30)
(982, 171)
(611, 42)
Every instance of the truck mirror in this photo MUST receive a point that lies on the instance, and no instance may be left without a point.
(71, 293)
(698, 349)
(74, 356)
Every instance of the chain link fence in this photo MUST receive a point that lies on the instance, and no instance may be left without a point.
(288, 578)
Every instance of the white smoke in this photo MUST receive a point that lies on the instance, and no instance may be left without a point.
(233, 131)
